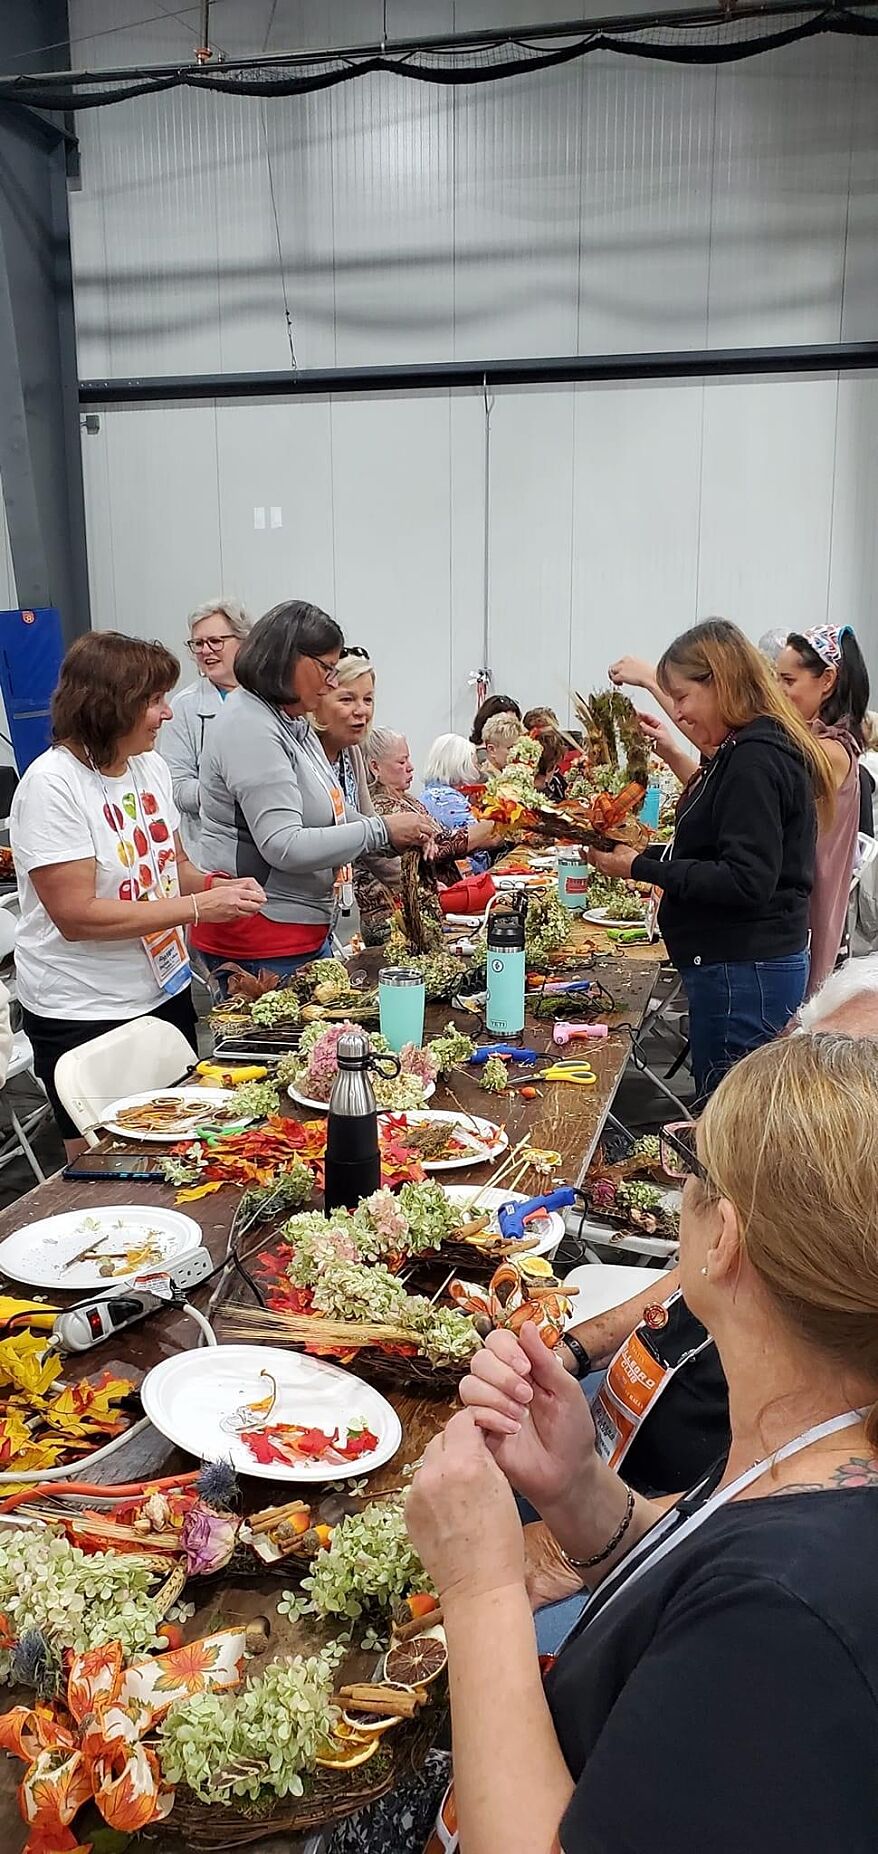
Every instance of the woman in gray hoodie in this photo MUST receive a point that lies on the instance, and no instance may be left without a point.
(271, 803)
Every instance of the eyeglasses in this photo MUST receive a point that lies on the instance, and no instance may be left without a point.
(197, 646)
(330, 671)
(677, 1154)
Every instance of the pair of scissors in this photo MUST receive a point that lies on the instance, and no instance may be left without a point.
(580, 1074)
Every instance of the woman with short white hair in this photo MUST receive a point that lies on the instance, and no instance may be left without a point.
(450, 767)
(217, 630)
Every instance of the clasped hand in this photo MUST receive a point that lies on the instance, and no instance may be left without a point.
(525, 1425)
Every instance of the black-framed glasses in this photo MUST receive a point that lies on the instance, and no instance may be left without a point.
(195, 646)
(678, 1156)
(356, 650)
(330, 671)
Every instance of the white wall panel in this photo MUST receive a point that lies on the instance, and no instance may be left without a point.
(766, 502)
(780, 194)
(392, 550)
(636, 516)
(853, 585)
(531, 505)
(275, 457)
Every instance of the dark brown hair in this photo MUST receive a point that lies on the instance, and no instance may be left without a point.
(492, 705)
(106, 683)
(266, 662)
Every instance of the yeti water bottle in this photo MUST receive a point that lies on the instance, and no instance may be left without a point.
(504, 1015)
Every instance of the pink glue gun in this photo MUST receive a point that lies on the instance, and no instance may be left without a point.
(579, 1033)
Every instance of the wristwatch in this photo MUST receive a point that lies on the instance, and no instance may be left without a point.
(580, 1356)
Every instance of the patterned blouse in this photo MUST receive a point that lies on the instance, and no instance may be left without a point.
(375, 899)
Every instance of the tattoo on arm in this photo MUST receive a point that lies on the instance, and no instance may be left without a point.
(857, 1471)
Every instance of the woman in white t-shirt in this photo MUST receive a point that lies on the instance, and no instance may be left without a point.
(105, 885)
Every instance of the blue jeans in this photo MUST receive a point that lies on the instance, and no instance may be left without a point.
(735, 1008)
(219, 979)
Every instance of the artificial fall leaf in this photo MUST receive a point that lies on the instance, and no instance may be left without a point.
(26, 1362)
(193, 1191)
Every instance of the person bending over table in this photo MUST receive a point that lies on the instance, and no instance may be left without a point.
(721, 1689)
(104, 882)
(390, 772)
(272, 806)
(736, 880)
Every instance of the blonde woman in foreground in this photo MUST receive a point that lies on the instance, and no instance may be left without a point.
(721, 1691)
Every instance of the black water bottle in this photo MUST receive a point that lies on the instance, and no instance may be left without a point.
(353, 1157)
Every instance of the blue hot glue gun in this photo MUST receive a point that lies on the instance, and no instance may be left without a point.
(509, 1052)
(513, 1217)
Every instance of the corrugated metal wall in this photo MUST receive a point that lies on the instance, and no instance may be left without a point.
(607, 206)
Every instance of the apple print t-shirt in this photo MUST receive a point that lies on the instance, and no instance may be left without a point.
(63, 812)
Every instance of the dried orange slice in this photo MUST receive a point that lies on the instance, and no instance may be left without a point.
(417, 1662)
(537, 1267)
(347, 1752)
(366, 1724)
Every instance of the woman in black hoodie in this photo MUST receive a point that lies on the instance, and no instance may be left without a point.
(737, 878)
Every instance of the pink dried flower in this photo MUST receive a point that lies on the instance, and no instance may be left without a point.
(415, 1061)
(208, 1540)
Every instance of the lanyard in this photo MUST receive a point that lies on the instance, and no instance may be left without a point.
(344, 875)
(633, 1384)
(664, 1537)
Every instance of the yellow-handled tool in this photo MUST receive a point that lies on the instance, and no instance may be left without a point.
(218, 1077)
(579, 1074)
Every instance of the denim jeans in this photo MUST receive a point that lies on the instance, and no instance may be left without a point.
(219, 980)
(735, 1008)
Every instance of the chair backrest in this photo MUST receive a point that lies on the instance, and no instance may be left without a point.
(8, 928)
(145, 1053)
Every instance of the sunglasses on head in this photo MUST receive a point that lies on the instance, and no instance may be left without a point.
(355, 650)
(677, 1151)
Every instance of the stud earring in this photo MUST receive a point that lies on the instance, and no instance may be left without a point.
(704, 1270)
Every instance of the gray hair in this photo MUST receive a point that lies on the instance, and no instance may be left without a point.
(452, 761)
(236, 616)
(850, 994)
(380, 743)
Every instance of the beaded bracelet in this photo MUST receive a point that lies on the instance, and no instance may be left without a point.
(587, 1564)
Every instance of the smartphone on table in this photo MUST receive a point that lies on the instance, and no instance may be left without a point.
(143, 1167)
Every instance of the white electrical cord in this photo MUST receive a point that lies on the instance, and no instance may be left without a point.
(207, 1333)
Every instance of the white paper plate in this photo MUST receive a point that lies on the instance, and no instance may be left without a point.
(192, 1398)
(195, 1106)
(322, 1107)
(532, 880)
(470, 1128)
(42, 1253)
(603, 1285)
(491, 1199)
(603, 918)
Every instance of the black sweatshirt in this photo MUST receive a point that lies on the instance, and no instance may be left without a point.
(738, 878)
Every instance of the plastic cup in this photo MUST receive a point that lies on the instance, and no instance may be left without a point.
(401, 1000)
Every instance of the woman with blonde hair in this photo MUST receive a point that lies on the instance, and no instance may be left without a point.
(390, 770)
(736, 880)
(499, 735)
(739, 1626)
(217, 630)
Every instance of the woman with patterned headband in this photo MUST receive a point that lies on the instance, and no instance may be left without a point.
(823, 673)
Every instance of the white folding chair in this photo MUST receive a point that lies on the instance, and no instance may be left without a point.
(18, 1140)
(145, 1053)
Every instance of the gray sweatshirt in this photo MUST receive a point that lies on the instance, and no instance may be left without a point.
(181, 743)
(266, 810)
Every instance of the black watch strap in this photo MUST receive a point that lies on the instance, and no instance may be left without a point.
(581, 1356)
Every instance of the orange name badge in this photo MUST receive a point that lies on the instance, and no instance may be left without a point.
(444, 1839)
(339, 814)
(631, 1386)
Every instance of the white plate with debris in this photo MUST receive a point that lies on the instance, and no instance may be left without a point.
(81, 1250)
(472, 1141)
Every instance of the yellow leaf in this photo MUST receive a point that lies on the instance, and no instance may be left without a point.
(26, 1362)
(193, 1191)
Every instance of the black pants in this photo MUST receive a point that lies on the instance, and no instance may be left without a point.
(51, 1038)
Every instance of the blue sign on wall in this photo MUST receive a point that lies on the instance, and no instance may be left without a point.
(31, 649)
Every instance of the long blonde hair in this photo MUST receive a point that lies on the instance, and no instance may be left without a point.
(746, 688)
(790, 1139)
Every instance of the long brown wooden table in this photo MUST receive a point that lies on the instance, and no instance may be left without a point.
(565, 1118)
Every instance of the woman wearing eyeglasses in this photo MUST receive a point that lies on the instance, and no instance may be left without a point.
(217, 630)
(721, 1688)
(271, 801)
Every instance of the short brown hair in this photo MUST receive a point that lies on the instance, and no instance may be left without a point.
(106, 682)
